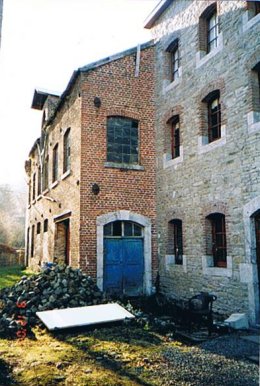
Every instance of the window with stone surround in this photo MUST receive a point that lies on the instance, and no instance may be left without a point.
(253, 8)
(216, 239)
(212, 115)
(34, 186)
(45, 225)
(122, 140)
(38, 228)
(32, 240)
(209, 29)
(55, 163)
(175, 137)
(253, 116)
(39, 181)
(45, 181)
(175, 243)
(174, 54)
(256, 86)
(29, 192)
(66, 151)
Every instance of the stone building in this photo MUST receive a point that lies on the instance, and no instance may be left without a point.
(91, 174)
(208, 150)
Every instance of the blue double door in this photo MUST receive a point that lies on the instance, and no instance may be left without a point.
(124, 266)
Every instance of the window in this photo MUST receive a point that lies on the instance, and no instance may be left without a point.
(38, 229)
(212, 101)
(253, 8)
(45, 182)
(175, 137)
(209, 29)
(174, 52)
(45, 225)
(55, 164)
(123, 229)
(39, 182)
(212, 32)
(256, 85)
(216, 239)
(32, 241)
(34, 187)
(66, 151)
(122, 140)
(29, 192)
(175, 244)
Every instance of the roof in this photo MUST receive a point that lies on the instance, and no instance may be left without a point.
(40, 97)
(157, 12)
(36, 143)
(94, 65)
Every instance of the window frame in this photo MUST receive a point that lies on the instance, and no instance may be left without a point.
(32, 240)
(218, 239)
(175, 137)
(34, 187)
(45, 225)
(210, 28)
(133, 155)
(122, 234)
(67, 151)
(175, 240)
(55, 162)
(45, 181)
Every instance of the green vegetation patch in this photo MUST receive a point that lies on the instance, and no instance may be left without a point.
(11, 275)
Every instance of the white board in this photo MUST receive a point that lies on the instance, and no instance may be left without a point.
(83, 316)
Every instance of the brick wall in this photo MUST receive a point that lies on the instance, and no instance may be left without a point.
(121, 94)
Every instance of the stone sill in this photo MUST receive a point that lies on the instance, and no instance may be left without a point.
(172, 162)
(202, 57)
(115, 165)
(204, 146)
(66, 174)
(169, 86)
(54, 184)
(247, 22)
(253, 121)
(170, 264)
(210, 270)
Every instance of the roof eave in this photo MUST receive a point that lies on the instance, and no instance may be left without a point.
(156, 13)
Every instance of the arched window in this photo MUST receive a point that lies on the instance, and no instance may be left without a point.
(123, 229)
(174, 52)
(66, 151)
(175, 244)
(122, 140)
(209, 29)
(253, 8)
(216, 245)
(212, 101)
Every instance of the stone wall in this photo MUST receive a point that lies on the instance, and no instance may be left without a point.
(222, 176)
(61, 198)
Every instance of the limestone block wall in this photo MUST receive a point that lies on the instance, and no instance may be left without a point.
(222, 176)
(61, 198)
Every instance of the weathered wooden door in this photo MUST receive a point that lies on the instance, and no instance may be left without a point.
(123, 265)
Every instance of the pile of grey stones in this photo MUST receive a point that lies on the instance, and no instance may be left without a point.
(54, 288)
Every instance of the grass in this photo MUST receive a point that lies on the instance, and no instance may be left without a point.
(11, 275)
(118, 355)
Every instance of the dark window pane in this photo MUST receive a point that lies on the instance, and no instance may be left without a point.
(108, 230)
(128, 229)
(137, 230)
(117, 228)
(121, 133)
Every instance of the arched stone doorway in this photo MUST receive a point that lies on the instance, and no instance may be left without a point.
(113, 240)
(250, 270)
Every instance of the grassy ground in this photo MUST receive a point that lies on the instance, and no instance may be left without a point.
(10, 275)
(119, 355)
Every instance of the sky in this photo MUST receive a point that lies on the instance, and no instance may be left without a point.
(43, 42)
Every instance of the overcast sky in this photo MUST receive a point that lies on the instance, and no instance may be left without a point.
(43, 42)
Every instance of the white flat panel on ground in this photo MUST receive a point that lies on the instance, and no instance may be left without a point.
(83, 316)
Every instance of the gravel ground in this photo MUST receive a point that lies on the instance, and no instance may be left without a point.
(217, 362)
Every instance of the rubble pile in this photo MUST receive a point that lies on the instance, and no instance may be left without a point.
(54, 288)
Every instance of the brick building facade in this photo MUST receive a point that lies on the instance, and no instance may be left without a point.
(208, 150)
(91, 174)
